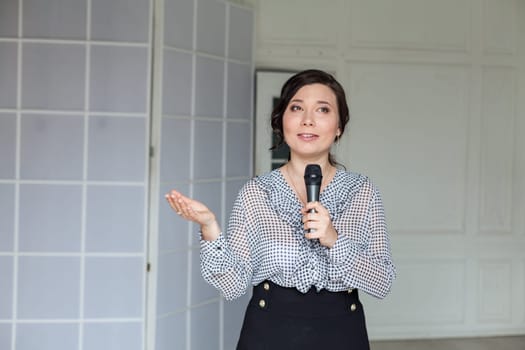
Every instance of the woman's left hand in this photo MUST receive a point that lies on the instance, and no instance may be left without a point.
(318, 225)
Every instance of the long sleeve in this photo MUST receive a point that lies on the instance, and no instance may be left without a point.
(265, 240)
(226, 262)
(361, 258)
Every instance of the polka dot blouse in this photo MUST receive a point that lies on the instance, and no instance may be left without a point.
(265, 240)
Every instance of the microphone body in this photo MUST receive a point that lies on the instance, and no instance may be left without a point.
(312, 179)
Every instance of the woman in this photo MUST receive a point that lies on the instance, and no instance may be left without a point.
(305, 266)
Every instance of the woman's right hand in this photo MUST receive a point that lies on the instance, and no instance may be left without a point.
(195, 211)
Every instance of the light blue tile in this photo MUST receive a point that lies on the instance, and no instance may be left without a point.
(172, 291)
(209, 87)
(205, 317)
(240, 86)
(208, 150)
(241, 34)
(201, 291)
(211, 27)
(114, 287)
(209, 193)
(238, 149)
(50, 218)
(120, 20)
(173, 230)
(58, 66)
(51, 147)
(175, 150)
(9, 18)
(98, 336)
(233, 317)
(57, 19)
(232, 191)
(171, 332)
(5, 335)
(7, 217)
(119, 79)
(117, 149)
(31, 336)
(48, 287)
(115, 219)
(8, 72)
(178, 23)
(7, 145)
(177, 83)
(6, 288)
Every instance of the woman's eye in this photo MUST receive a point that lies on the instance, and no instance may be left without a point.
(324, 109)
(295, 108)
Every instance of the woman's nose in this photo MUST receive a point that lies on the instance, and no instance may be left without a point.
(308, 120)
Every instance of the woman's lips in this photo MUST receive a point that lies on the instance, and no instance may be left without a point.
(307, 136)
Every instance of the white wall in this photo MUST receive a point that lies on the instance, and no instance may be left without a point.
(436, 93)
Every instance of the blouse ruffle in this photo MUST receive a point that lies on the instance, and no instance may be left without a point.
(336, 198)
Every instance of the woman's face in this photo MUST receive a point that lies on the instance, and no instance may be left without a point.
(311, 121)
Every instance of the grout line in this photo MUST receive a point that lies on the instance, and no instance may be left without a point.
(192, 172)
(210, 119)
(16, 227)
(87, 96)
(148, 185)
(79, 112)
(224, 156)
(72, 182)
(108, 183)
(207, 55)
(151, 192)
(76, 254)
(78, 320)
(82, 42)
(9, 110)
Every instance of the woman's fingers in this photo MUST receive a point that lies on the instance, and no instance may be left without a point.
(178, 203)
(189, 209)
(318, 224)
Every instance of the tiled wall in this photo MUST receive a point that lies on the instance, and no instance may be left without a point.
(75, 115)
(206, 152)
(74, 135)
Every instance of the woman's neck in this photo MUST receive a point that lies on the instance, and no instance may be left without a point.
(296, 167)
(294, 174)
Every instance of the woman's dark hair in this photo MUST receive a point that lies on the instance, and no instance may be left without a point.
(290, 88)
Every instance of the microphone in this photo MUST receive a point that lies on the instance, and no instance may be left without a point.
(312, 179)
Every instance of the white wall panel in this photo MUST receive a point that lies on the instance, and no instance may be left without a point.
(298, 22)
(499, 26)
(497, 148)
(495, 291)
(435, 290)
(420, 24)
(409, 128)
(437, 105)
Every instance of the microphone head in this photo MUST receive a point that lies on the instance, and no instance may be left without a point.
(313, 175)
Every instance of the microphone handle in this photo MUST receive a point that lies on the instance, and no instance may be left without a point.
(312, 195)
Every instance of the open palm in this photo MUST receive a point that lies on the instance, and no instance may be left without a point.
(195, 211)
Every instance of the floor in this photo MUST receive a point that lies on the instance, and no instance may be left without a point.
(491, 343)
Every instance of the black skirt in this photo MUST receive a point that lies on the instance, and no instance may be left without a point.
(284, 318)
